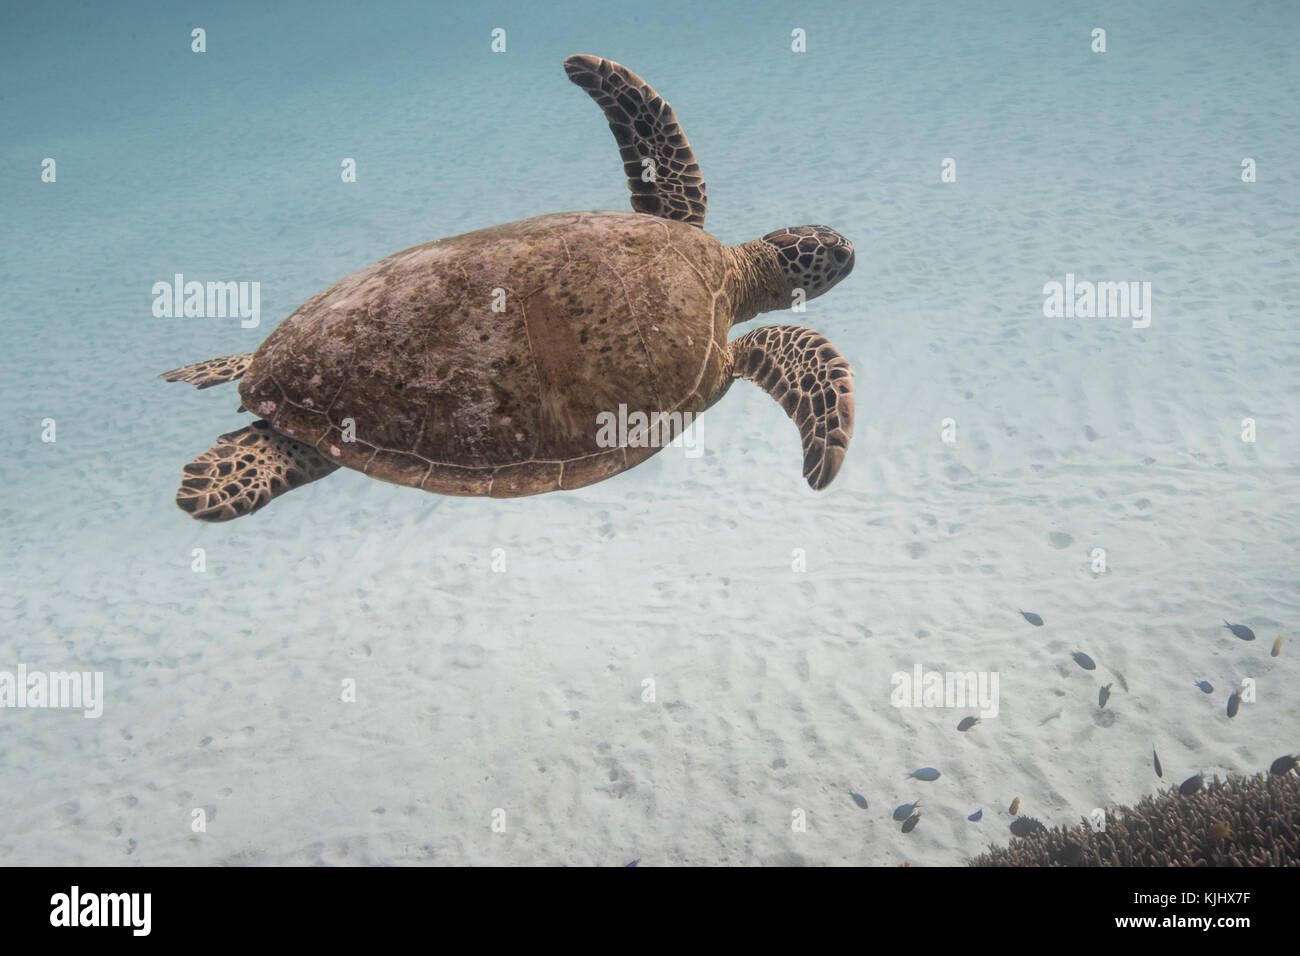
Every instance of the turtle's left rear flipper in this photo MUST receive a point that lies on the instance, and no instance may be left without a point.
(244, 470)
(814, 384)
(215, 371)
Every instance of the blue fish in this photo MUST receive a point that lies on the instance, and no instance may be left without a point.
(910, 823)
(1205, 686)
(1084, 661)
(1234, 701)
(967, 723)
(904, 811)
(1241, 631)
(976, 817)
(1032, 618)
(633, 863)
(925, 773)
(859, 799)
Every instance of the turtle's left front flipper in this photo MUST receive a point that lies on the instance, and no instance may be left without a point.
(814, 384)
(661, 169)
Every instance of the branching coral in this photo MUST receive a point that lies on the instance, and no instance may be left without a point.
(1241, 821)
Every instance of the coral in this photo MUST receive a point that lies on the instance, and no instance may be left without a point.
(1241, 821)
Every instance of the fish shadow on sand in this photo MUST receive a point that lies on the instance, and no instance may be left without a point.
(1103, 717)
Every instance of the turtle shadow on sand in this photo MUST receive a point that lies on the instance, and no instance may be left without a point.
(498, 363)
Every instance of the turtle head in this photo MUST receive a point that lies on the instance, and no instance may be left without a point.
(807, 258)
(813, 258)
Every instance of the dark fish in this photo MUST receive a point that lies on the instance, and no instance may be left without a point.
(1015, 807)
(633, 863)
(1205, 686)
(967, 723)
(976, 817)
(1241, 631)
(1234, 702)
(1032, 618)
(1283, 764)
(910, 823)
(1084, 661)
(1191, 785)
(1026, 826)
(1155, 757)
(1103, 695)
(859, 799)
(925, 773)
(903, 811)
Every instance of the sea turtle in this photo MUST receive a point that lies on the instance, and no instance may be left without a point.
(486, 363)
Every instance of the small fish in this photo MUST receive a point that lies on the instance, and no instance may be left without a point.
(1220, 831)
(1234, 702)
(1155, 757)
(1103, 695)
(859, 799)
(1032, 618)
(903, 811)
(1084, 661)
(1015, 807)
(967, 723)
(976, 817)
(1284, 764)
(1026, 826)
(1241, 631)
(925, 773)
(633, 863)
(910, 823)
(1191, 785)
(1123, 684)
(1052, 716)
(1205, 686)
(1277, 647)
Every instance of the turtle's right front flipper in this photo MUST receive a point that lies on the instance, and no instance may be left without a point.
(215, 371)
(244, 470)
(814, 384)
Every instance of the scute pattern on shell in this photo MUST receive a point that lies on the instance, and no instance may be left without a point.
(477, 365)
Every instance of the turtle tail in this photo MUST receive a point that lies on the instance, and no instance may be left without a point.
(215, 371)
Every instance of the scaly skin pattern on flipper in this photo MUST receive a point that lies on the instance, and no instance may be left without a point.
(645, 127)
(244, 470)
(813, 383)
(215, 371)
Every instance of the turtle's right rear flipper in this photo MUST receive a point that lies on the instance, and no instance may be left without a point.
(215, 371)
(244, 470)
